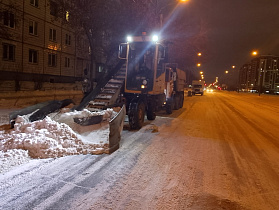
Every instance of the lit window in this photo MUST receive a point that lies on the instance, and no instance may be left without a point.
(33, 56)
(9, 19)
(8, 52)
(52, 34)
(33, 27)
(52, 59)
(67, 15)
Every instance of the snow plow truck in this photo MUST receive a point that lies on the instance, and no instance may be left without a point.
(151, 83)
(142, 83)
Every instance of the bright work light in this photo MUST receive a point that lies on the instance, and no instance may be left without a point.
(129, 39)
(155, 38)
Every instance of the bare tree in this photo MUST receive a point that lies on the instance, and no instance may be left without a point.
(105, 23)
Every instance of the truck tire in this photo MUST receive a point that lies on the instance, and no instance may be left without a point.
(136, 115)
(181, 100)
(169, 106)
(176, 101)
(151, 115)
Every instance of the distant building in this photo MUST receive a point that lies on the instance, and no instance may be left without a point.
(38, 50)
(261, 74)
(243, 73)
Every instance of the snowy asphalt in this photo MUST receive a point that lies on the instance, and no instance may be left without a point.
(220, 151)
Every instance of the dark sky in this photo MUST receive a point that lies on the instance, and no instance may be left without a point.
(233, 29)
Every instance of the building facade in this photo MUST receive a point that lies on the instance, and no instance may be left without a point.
(243, 73)
(261, 75)
(38, 50)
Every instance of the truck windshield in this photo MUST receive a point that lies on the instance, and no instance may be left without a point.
(140, 65)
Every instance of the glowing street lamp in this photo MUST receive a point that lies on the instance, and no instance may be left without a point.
(254, 53)
(199, 54)
(201, 72)
(233, 67)
(198, 64)
(226, 72)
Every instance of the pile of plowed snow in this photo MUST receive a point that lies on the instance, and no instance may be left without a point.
(56, 135)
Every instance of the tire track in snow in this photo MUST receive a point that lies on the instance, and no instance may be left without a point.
(250, 158)
(101, 176)
(266, 135)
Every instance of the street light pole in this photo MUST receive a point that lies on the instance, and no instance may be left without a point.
(161, 20)
(260, 85)
(255, 53)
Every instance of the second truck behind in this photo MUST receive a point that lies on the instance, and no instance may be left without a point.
(197, 87)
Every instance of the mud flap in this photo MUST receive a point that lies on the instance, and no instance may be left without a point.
(115, 129)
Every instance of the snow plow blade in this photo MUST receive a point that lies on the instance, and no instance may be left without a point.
(73, 136)
(115, 129)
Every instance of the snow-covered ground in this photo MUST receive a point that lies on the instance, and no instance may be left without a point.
(220, 151)
(55, 136)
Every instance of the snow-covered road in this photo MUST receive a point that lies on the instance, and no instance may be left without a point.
(220, 151)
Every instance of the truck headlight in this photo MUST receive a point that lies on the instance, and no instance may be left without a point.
(155, 38)
(129, 39)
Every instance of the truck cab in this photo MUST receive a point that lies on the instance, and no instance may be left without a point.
(197, 87)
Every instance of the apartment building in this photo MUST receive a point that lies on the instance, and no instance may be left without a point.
(38, 50)
(242, 80)
(268, 78)
(261, 74)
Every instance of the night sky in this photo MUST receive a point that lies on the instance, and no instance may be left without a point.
(234, 28)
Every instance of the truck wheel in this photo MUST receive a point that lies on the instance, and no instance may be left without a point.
(176, 101)
(201, 94)
(151, 115)
(181, 101)
(136, 115)
(169, 106)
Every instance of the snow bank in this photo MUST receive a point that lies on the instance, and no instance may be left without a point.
(44, 138)
(12, 158)
(55, 136)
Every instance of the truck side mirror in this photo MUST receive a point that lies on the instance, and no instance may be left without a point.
(122, 52)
